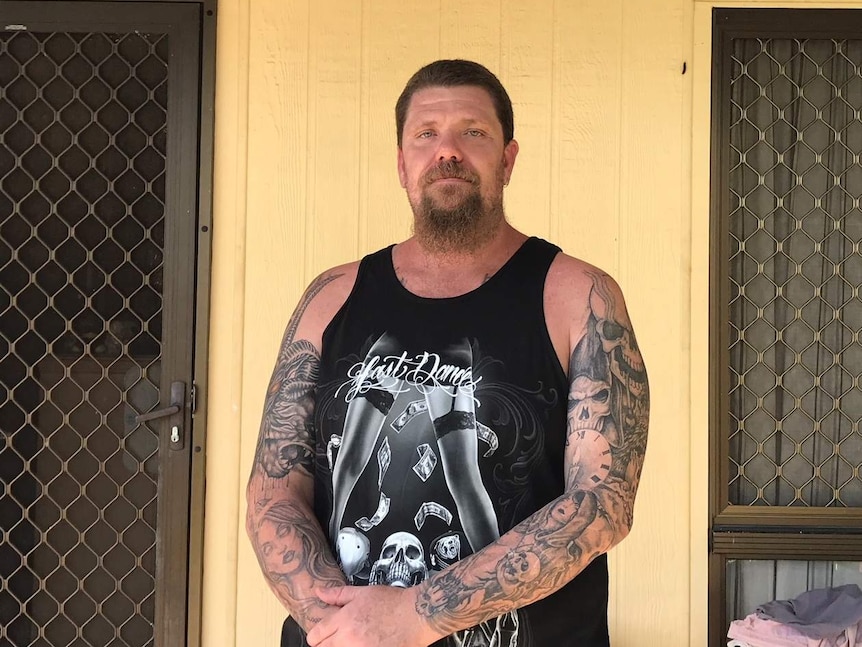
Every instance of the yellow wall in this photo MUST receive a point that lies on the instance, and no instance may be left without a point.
(613, 167)
(305, 178)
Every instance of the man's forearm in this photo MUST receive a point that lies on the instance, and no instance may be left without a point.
(284, 532)
(531, 561)
(293, 555)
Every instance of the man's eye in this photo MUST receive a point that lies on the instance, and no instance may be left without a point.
(475, 133)
(425, 134)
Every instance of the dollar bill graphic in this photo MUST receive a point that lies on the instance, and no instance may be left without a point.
(384, 457)
(434, 509)
(367, 524)
(412, 410)
(427, 462)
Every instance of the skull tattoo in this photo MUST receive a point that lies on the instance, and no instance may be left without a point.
(589, 402)
(517, 569)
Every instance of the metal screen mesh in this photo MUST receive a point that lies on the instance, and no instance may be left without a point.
(82, 161)
(795, 273)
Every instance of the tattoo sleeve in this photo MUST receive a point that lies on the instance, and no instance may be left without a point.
(608, 412)
(284, 533)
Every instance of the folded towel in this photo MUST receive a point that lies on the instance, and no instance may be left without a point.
(762, 632)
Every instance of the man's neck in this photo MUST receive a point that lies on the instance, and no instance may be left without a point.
(450, 273)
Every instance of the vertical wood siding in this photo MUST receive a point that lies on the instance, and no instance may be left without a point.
(600, 107)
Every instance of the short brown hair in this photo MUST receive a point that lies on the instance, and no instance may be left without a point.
(454, 73)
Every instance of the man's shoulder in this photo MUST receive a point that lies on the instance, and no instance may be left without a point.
(330, 289)
(570, 290)
(568, 286)
(322, 299)
(337, 278)
(574, 276)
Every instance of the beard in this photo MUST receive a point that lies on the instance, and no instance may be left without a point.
(461, 219)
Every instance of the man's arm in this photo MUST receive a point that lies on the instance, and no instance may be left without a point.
(286, 536)
(608, 413)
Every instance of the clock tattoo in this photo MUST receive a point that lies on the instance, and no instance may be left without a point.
(592, 461)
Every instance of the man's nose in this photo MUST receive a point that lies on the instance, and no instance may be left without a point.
(448, 150)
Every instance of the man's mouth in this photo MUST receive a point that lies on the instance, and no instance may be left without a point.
(447, 171)
(450, 180)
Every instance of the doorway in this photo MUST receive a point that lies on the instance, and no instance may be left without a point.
(99, 215)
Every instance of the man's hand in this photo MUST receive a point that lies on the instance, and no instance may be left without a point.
(371, 616)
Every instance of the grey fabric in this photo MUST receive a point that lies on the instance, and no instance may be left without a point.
(820, 614)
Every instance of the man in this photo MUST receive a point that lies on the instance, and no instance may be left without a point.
(458, 421)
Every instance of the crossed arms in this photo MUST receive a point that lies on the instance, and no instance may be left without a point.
(608, 412)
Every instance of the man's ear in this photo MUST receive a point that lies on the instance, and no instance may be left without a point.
(402, 173)
(510, 153)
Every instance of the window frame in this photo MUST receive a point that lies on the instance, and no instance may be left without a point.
(740, 531)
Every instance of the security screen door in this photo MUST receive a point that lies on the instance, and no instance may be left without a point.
(98, 207)
(786, 310)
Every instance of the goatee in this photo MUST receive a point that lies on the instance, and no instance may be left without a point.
(463, 227)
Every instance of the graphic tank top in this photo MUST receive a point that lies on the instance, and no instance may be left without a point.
(440, 425)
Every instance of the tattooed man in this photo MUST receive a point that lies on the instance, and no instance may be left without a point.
(455, 428)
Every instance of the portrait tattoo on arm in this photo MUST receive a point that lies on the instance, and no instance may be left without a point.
(608, 411)
(287, 539)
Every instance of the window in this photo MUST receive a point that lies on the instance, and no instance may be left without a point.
(786, 308)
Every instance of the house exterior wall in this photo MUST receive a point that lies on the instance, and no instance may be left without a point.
(614, 168)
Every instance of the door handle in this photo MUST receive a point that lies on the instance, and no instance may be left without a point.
(178, 401)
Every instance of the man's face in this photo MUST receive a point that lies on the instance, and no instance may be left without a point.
(454, 164)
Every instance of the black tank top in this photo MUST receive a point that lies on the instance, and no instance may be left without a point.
(440, 425)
